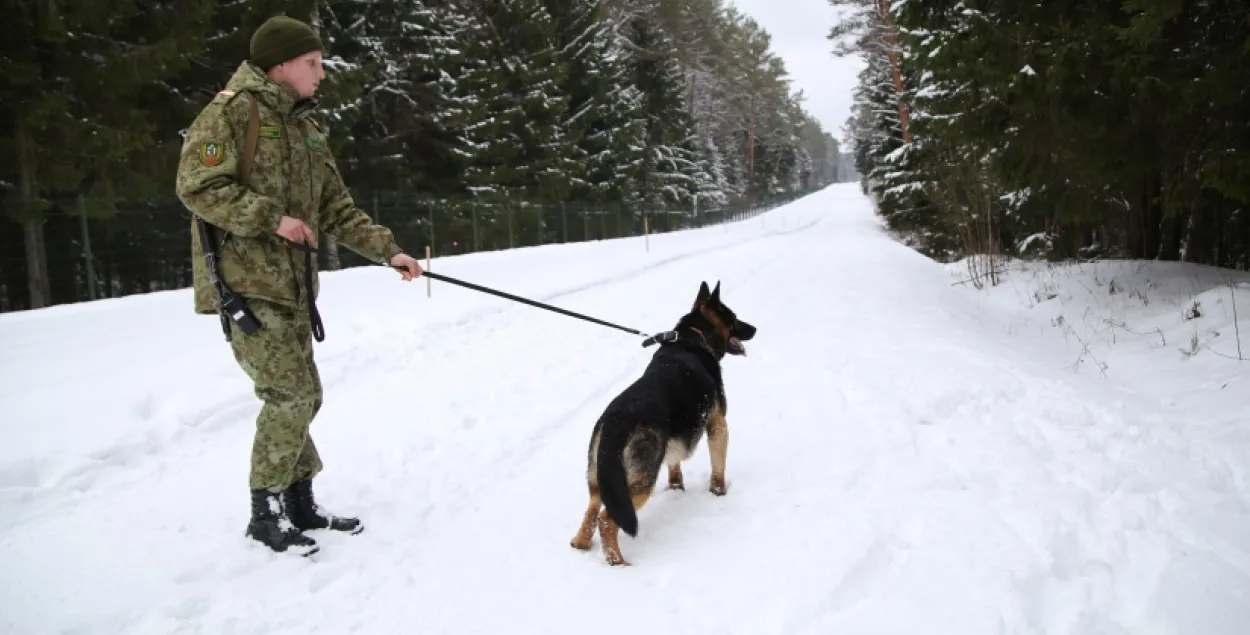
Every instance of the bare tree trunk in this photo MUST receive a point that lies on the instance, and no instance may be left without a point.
(985, 197)
(690, 78)
(32, 223)
(1152, 231)
(36, 263)
(750, 158)
(1173, 235)
(751, 147)
(896, 66)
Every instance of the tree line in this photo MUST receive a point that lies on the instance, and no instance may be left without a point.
(663, 104)
(1057, 129)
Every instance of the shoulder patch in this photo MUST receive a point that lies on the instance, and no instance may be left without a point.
(212, 153)
(315, 142)
(224, 96)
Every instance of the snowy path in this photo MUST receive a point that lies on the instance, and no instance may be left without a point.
(896, 464)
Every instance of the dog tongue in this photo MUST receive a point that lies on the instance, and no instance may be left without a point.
(736, 345)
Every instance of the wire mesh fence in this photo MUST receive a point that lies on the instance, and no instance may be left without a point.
(97, 249)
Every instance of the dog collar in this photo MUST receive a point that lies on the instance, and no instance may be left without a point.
(668, 337)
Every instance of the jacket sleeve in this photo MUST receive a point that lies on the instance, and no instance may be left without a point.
(207, 183)
(350, 225)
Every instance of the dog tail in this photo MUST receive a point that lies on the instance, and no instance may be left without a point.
(613, 484)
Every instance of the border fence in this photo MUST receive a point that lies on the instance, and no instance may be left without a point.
(108, 249)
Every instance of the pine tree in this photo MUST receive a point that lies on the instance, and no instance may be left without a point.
(821, 151)
(1070, 113)
(84, 94)
(702, 53)
(404, 136)
(671, 174)
(603, 118)
(513, 136)
(877, 143)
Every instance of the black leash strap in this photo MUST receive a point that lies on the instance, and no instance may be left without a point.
(318, 329)
(475, 287)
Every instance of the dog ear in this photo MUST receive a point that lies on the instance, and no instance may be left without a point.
(704, 294)
(716, 293)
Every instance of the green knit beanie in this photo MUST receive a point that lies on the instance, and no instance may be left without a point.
(282, 39)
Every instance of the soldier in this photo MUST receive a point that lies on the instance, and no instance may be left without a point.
(256, 171)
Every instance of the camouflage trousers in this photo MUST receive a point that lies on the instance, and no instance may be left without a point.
(279, 360)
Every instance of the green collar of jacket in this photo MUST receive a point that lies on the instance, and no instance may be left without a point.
(248, 77)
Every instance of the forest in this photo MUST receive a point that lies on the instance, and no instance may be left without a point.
(1056, 129)
(464, 125)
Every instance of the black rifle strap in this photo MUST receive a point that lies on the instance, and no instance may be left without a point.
(208, 240)
(209, 246)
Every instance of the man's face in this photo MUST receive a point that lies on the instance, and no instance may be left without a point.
(302, 74)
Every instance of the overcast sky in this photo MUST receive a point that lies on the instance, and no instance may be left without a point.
(798, 29)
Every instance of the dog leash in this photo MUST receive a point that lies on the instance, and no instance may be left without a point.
(516, 298)
(314, 316)
(319, 328)
(309, 251)
(666, 336)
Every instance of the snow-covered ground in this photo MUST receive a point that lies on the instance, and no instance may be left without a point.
(906, 455)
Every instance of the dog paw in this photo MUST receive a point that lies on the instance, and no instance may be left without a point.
(580, 543)
(617, 560)
(718, 488)
(677, 486)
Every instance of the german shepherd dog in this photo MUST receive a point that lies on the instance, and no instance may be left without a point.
(660, 419)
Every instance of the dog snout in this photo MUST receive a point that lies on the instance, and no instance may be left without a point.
(744, 331)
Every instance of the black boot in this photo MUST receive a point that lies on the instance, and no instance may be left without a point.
(271, 527)
(306, 515)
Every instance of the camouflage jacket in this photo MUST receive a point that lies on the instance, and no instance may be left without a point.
(292, 174)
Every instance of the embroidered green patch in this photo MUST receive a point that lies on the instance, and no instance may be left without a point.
(315, 143)
(271, 132)
(212, 153)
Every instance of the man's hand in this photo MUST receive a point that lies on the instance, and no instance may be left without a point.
(296, 231)
(408, 266)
